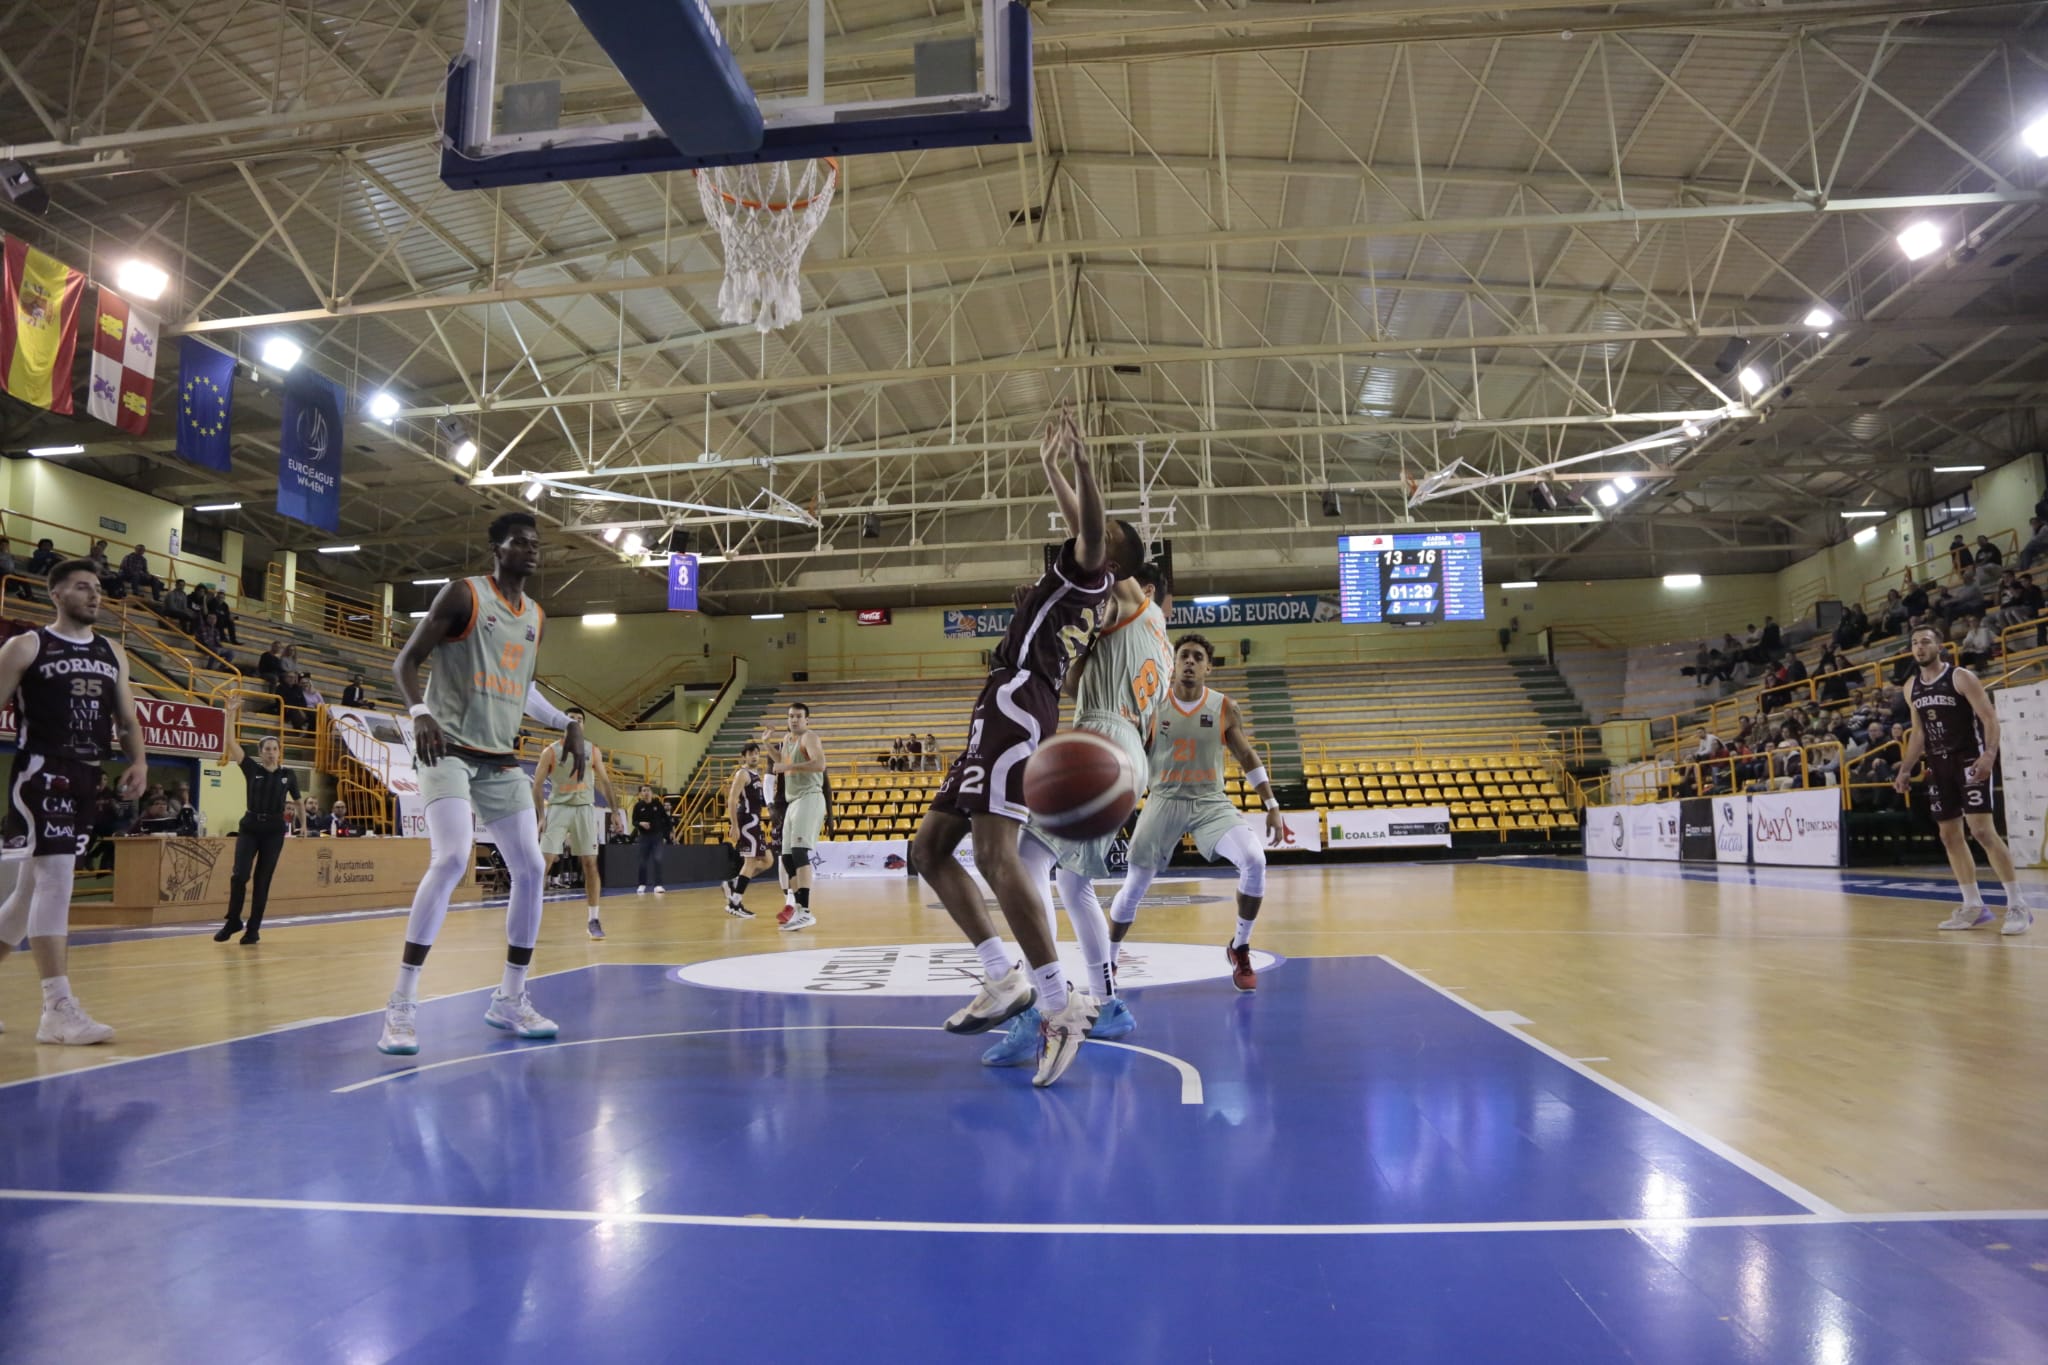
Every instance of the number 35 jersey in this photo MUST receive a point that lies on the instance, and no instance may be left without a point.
(66, 698)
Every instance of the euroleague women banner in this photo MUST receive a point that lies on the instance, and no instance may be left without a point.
(309, 454)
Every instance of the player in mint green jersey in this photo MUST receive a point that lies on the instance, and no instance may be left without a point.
(1195, 726)
(483, 637)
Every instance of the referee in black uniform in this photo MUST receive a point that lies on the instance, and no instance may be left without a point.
(261, 837)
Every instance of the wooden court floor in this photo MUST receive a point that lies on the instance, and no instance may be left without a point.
(1836, 1037)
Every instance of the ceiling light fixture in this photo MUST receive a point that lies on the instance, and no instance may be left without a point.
(611, 535)
(383, 407)
(1607, 495)
(428, 582)
(1625, 482)
(1517, 587)
(465, 454)
(634, 545)
(219, 507)
(141, 279)
(1753, 380)
(767, 616)
(1213, 600)
(1865, 536)
(56, 450)
(1920, 240)
(281, 353)
(534, 490)
(339, 549)
(600, 618)
(1681, 580)
(1857, 513)
(1959, 469)
(1820, 317)
(2034, 137)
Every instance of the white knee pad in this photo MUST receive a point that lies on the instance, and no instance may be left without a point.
(1124, 909)
(49, 906)
(518, 838)
(1241, 849)
(451, 833)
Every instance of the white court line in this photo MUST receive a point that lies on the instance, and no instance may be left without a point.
(717, 1220)
(1190, 1079)
(1797, 1193)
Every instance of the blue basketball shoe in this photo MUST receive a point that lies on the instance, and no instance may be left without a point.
(1020, 1042)
(1114, 1022)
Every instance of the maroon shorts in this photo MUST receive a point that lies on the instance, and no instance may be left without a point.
(1950, 794)
(1014, 714)
(50, 806)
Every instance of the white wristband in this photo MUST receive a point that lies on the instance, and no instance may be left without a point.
(1255, 778)
(417, 711)
(1272, 803)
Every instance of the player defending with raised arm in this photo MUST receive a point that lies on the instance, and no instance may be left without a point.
(802, 769)
(983, 790)
(1955, 728)
(744, 801)
(1188, 797)
(483, 635)
(568, 814)
(1117, 688)
(70, 689)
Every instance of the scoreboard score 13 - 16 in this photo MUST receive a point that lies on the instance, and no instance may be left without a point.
(1411, 579)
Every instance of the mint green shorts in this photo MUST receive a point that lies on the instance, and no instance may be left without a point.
(492, 792)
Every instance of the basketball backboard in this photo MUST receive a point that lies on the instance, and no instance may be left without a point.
(546, 90)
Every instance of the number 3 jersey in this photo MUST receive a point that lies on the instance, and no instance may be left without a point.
(66, 699)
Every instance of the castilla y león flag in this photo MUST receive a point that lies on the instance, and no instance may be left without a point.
(123, 364)
(39, 298)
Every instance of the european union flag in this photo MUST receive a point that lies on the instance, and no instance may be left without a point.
(206, 398)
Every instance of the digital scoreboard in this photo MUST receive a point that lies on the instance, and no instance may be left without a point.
(1411, 579)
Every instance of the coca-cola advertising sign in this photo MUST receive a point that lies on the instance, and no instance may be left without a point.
(168, 727)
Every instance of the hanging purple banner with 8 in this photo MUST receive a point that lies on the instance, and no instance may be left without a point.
(682, 582)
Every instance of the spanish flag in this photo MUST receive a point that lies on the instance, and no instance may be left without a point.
(39, 299)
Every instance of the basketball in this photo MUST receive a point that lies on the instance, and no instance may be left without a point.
(1080, 785)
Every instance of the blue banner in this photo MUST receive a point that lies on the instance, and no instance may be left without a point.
(206, 398)
(682, 582)
(1292, 609)
(309, 460)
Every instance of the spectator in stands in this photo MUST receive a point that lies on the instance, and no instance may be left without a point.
(17, 585)
(135, 573)
(1775, 693)
(1987, 553)
(1986, 575)
(1699, 665)
(898, 760)
(355, 694)
(931, 752)
(1979, 645)
(1959, 555)
(338, 823)
(224, 617)
(291, 693)
(2036, 546)
(290, 655)
(1894, 619)
(294, 818)
(1915, 603)
(1719, 666)
(1824, 764)
(1852, 628)
(270, 664)
(43, 560)
(157, 816)
(913, 748)
(206, 630)
(177, 605)
(1834, 680)
(1772, 638)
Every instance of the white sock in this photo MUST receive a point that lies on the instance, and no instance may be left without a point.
(2015, 898)
(55, 988)
(593, 911)
(1243, 935)
(995, 961)
(1972, 895)
(1051, 980)
(515, 980)
(408, 987)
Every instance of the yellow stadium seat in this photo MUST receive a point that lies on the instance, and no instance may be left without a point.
(1463, 826)
(1485, 822)
(1525, 822)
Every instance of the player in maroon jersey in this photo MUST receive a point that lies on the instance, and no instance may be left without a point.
(1955, 728)
(70, 687)
(983, 790)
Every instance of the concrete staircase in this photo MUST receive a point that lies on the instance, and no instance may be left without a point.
(1269, 708)
(1550, 694)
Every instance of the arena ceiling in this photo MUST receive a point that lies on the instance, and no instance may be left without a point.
(1274, 250)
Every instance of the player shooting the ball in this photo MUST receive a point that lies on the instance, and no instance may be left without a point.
(983, 790)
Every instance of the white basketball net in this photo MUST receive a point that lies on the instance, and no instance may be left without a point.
(766, 214)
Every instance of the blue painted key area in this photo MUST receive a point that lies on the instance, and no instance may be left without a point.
(1371, 1170)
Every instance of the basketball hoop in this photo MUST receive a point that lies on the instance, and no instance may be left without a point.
(766, 214)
